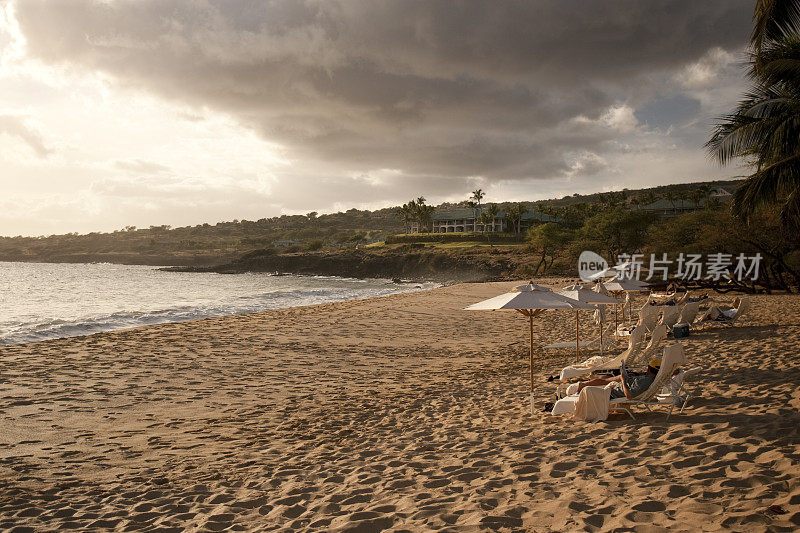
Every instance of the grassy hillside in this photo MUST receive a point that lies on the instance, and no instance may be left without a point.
(207, 244)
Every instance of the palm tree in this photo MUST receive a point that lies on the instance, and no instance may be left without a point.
(670, 197)
(684, 197)
(477, 196)
(696, 196)
(471, 204)
(407, 214)
(764, 128)
(706, 191)
(487, 218)
(514, 216)
(424, 214)
(774, 20)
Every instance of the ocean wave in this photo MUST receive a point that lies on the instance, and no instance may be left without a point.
(38, 327)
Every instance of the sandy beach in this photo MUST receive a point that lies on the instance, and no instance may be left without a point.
(402, 413)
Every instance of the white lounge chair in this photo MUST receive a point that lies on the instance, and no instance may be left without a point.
(639, 359)
(689, 313)
(673, 357)
(728, 316)
(677, 391)
(670, 315)
(598, 362)
(648, 316)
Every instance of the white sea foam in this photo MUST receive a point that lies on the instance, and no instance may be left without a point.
(41, 301)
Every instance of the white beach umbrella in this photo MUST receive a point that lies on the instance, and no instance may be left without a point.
(627, 286)
(586, 295)
(530, 300)
(611, 272)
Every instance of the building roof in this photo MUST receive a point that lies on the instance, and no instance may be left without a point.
(455, 214)
(461, 214)
(662, 204)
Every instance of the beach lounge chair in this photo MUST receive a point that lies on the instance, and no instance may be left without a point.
(648, 316)
(728, 316)
(689, 313)
(673, 357)
(596, 363)
(608, 342)
(670, 315)
(638, 359)
(633, 359)
(681, 299)
(677, 390)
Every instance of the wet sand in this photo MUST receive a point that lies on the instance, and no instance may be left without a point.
(401, 413)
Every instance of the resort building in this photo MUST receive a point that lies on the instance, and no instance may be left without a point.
(468, 220)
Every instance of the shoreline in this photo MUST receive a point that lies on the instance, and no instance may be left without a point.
(399, 412)
(160, 316)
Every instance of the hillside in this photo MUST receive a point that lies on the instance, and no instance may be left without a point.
(208, 244)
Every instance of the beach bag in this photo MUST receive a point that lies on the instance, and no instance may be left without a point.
(680, 330)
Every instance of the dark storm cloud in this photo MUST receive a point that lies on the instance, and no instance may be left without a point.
(432, 88)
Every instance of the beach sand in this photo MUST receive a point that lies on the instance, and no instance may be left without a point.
(402, 412)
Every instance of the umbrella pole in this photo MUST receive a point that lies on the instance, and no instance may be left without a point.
(601, 332)
(577, 340)
(530, 317)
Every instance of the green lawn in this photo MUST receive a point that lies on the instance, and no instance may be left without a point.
(457, 244)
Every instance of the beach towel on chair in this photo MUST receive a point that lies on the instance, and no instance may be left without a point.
(592, 404)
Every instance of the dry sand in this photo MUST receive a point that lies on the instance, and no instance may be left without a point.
(401, 412)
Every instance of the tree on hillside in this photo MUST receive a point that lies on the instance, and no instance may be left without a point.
(487, 219)
(684, 196)
(707, 231)
(670, 197)
(616, 231)
(696, 195)
(514, 216)
(764, 128)
(547, 240)
(706, 190)
(407, 214)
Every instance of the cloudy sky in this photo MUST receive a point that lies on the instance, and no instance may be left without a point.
(141, 112)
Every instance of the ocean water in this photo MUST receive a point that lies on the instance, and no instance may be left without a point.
(41, 301)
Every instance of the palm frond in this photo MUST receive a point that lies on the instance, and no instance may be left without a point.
(776, 62)
(790, 211)
(768, 185)
(774, 20)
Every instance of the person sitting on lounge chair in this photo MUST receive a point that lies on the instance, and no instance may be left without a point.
(722, 312)
(626, 385)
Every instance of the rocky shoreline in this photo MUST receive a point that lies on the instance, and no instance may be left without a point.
(406, 263)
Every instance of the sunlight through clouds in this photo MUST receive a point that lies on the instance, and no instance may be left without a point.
(211, 111)
(90, 132)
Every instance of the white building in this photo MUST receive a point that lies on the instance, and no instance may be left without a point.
(468, 220)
